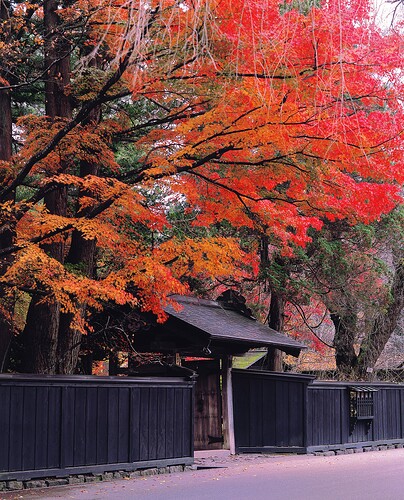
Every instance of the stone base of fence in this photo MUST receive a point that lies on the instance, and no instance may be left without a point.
(360, 448)
(17, 485)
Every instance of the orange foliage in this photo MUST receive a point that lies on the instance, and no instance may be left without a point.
(268, 119)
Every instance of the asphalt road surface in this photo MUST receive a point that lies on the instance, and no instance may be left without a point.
(372, 476)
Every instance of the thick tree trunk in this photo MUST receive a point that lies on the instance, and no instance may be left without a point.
(40, 337)
(7, 234)
(274, 358)
(384, 324)
(276, 322)
(38, 344)
(344, 340)
(57, 63)
(82, 253)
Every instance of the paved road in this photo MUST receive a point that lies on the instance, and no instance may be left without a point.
(365, 476)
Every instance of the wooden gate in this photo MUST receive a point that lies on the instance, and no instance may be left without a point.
(208, 431)
(269, 411)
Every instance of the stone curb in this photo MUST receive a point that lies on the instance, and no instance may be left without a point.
(349, 451)
(91, 478)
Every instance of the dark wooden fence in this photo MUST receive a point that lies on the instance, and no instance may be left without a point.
(331, 420)
(283, 412)
(55, 426)
(269, 411)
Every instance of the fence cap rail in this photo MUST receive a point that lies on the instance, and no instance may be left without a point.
(90, 379)
(276, 375)
(333, 384)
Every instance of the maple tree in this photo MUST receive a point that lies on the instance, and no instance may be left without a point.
(257, 114)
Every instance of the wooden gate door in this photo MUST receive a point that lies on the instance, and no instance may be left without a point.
(208, 434)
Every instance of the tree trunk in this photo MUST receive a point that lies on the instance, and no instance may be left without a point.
(276, 322)
(40, 337)
(7, 234)
(82, 253)
(69, 338)
(57, 63)
(344, 339)
(274, 358)
(384, 324)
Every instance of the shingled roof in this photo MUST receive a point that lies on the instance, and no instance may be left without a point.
(224, 324)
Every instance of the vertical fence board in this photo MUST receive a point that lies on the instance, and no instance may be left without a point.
(282, 394)
(344, 416)
(161, 423)
(269, 410)
(144, 425)
(67, 426)
(112, 415)
(54, 426)
(28, 428)
(296, 416)
(187, 439)
(123, 424)
(41, 431)
(91, 426)
(170, 417)
(256, 411)
(153, 419)
(178, 423)
(134, 438)
(15, 428)
(101, 427)
(241, 404)
(80, 427)
(4, 428)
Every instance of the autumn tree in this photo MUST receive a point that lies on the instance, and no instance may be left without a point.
(254, 114)
(353, 276)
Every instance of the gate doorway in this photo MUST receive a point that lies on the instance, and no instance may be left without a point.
(208, 415)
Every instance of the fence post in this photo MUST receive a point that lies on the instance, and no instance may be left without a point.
(227, 403)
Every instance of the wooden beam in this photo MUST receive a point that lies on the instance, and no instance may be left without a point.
(227, 404)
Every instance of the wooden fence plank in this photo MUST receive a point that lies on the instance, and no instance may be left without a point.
(5, 428)
(102, 425)
(161, 423)
(66, 426)
(41, 427)
(90, 424)
(123, 424)
(178, 423)
(113, 431)
(170, 418)
(144, 425)
(28, 428)
(153, 419)
(134, 431)
(15, 449)
(80, 428)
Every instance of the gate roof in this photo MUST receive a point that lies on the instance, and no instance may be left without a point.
(226, 324)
